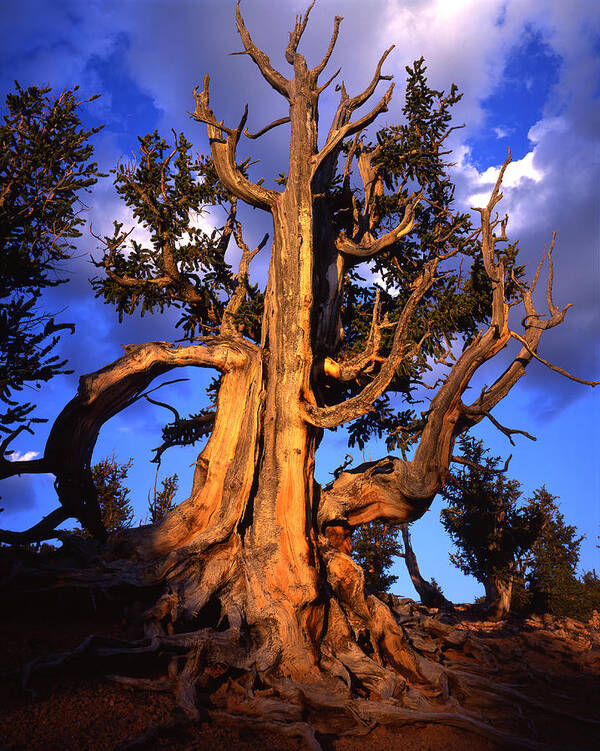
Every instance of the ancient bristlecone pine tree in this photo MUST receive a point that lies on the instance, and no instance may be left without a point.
(258, 540)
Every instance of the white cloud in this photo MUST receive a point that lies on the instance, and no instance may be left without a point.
(550, 126)
(17, 456)
(502, 132)
(516, 173)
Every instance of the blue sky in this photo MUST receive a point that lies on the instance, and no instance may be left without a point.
(529, 70)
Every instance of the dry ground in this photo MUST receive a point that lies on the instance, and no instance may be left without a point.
(555, 661)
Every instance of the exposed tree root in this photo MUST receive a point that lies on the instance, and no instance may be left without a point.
(375, 665)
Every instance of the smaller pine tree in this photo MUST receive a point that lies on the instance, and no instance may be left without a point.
(484, 521)
(109, 477)
(552, 562)
(161, 500)
(588, 601)
(374, 547)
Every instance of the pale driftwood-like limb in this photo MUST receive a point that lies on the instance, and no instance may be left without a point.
(228, 327)
(223, 153)
(555, 368)
(488, 241)
(267, 128)
(368, 247)
(353, 103)
(296, 34)
(331, 78)
(272, 76)
(362, 364)
(103, 394)
(336, 137)
(318, 69)
(534, 326)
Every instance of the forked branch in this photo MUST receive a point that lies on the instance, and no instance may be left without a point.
(272, 76)
(362, 364)
(329, 417)
(338, 135)
(223, 151)
(555, 368)
(228, 327)
(367, 246)
(296, 34)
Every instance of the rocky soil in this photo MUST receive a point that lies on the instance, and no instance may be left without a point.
(548, 670)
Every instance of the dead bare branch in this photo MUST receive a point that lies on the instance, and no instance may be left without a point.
(267, 128)
(367, 247)
(337, 136)
(43, 530)
(223, 152)
(480, 467)
(555, 368)
(328, 417)
(296, 34)
(318, 69)
(272, 76)
(508, 432)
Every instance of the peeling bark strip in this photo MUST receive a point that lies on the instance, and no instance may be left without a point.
(257, 543)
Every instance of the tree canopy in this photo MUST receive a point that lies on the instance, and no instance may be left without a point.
(45, 167)
(549, 569)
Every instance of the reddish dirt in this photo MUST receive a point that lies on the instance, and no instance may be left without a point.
(71, 711)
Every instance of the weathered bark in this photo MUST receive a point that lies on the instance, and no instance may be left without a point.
(498, 593)
(100, 396)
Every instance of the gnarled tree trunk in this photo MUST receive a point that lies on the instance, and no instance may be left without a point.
(498, 593)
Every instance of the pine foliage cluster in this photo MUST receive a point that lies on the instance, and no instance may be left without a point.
(374, 547)
(500, 536)
(45, 167)
(483, 516)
